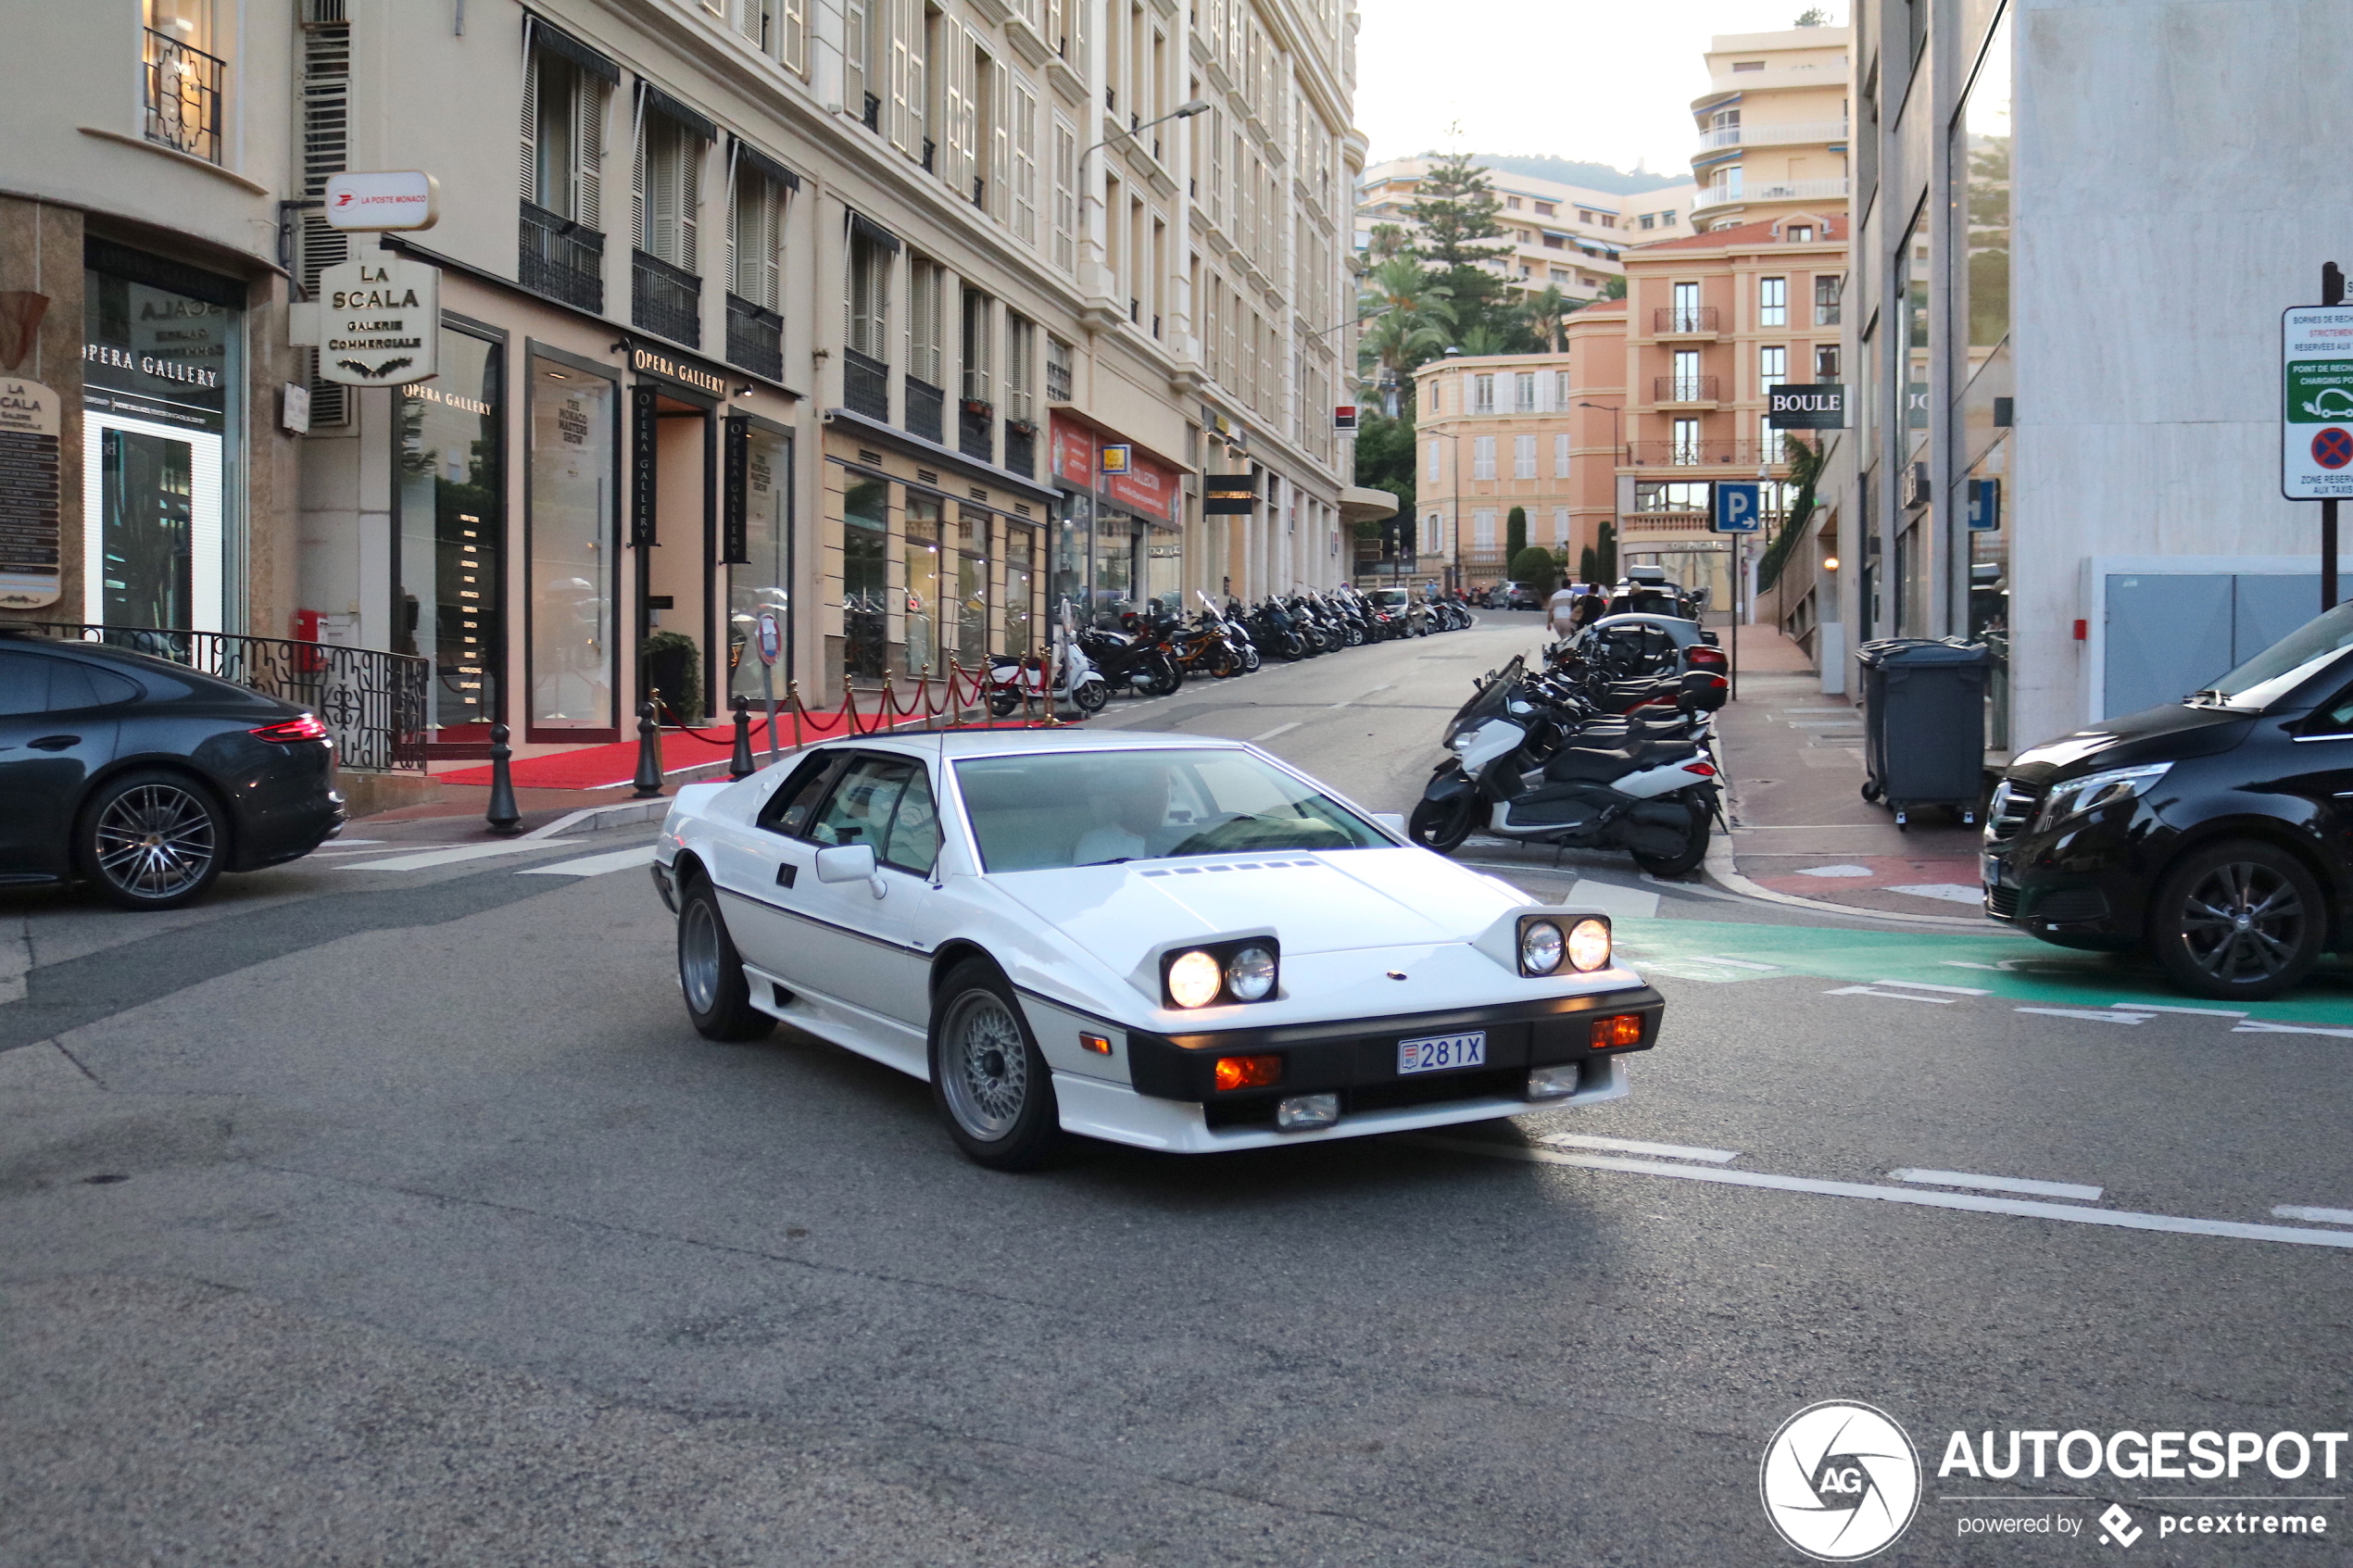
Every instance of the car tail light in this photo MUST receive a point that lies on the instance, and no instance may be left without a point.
(1619, 1029)
(1249, 1071)
(301, 727)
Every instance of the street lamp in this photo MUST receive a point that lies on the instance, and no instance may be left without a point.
(1182, 111)
(1618, 455)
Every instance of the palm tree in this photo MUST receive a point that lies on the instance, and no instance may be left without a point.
(1544, 310)
(1408, 322)
(1486, 338)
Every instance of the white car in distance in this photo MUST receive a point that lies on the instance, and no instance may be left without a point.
(1171, 942)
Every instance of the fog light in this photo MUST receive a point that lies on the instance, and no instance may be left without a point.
(1620, 1029)
(1301, 1113)
(1552, 1083)
(1249, 1073)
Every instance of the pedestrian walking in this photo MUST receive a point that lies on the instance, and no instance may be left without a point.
(1560, 611)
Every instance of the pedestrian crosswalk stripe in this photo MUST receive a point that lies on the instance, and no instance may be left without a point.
(596, 865)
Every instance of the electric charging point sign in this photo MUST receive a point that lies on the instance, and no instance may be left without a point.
(2316, 414)
(1736, 509)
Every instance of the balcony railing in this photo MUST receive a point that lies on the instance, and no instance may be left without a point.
(561, 259)
(1684, 389)
(1769, 135)
(1786, 190)
(866, 384)
(926, 406)
(1670, 318)
(976, 430)
(1021, 448)
(1704, 453)
(373, 703)
(755, 338)
(183, 86)
(665, 299)
(1634, 525)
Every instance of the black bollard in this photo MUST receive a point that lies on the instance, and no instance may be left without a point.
(740, 766)
(504, 817)
(648, 782)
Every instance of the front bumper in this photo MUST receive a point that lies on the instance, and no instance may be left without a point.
(1357, 1059)
(2080, 884)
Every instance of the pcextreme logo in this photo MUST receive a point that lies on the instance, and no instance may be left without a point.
(1840, 1481)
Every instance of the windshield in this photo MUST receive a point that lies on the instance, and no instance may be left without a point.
(2280, 668)
(1100, 807)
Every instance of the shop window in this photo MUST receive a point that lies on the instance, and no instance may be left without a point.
(449, 550)
(1021, 590)
(574, 528)
(865, 578)
(971, 568)
(761, 579)
(920, 551)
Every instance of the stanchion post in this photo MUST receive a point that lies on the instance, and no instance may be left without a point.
(648, 784)
(740, 765)
(504, 817)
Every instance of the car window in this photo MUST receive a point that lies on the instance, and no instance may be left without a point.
(794, 805)
(914, 844)
(859, 807)
(24, 683)
(74, 685)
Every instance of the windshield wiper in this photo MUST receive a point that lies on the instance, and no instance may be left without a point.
(2206, 694)
(1115, 861)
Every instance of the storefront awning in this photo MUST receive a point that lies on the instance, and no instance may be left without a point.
(1358, 503)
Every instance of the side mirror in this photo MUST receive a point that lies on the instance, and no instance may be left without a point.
(846, 862)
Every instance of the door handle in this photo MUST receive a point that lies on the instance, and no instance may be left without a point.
(786, 872)
(54, 743)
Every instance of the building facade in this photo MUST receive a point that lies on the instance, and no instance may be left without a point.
(2102, 507)
(1772, 125)
(906, 323)
(1563, 236)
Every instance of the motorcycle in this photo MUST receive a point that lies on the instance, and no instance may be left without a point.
(1131, 660)
(1533, 759)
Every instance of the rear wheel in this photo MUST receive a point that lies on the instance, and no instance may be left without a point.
(151, 840)
(1001, 704)
(1683, 861)
(991, 1086)
(2241, 919)
(1443, 825)
(710, 972)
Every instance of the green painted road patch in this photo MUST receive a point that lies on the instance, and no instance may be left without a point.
(2014, 968)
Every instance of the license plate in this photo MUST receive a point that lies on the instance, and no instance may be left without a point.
(1437, 1053)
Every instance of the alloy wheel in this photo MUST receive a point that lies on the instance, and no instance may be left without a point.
(698, 954)
(984, 1065)
(155, 841)
(2242, 923)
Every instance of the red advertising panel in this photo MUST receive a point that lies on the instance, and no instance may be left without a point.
(1074, 453)
(1149, 486)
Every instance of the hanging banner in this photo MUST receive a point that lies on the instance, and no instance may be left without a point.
(30, 427)
(645, 434)
(735, 536)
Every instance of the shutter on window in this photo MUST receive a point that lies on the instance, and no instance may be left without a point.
(1025, 164)
(856, 17)
(687, 161)
(907, 76)
(1001, 151)
(639, 227)
(326, 122)
(796, 39)
(531, 128)
(589, 99)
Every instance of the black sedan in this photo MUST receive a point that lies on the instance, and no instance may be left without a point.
(2215, 832)
(147, 780)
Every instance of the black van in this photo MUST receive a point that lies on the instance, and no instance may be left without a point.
(2216, 832)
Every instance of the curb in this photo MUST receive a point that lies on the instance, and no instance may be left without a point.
(1720, 871)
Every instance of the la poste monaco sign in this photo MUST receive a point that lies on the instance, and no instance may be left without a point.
(392, 198)
(2316, 413)
(375, 322)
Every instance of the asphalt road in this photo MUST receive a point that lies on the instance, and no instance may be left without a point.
(398, 1216)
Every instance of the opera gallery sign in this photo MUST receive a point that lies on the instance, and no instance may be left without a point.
(374, 322)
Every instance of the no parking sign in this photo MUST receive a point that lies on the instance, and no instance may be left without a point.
(2316, 413)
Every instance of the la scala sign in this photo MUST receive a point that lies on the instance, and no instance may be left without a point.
(375, 322)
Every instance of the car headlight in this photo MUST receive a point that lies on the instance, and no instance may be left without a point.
(1250, 974)
(1194, 979)
(2096, 790)
(1589, 946)
(1541, 946)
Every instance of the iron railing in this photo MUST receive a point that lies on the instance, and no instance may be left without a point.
(183, 86)
(1021, 448)
(1684, 389)
(1704, 452)
(866, 384)
(561, 259)
(755, 338)
(372, 702)
(926, 406)
(975, 430)
(665, 299)
(1670, 319)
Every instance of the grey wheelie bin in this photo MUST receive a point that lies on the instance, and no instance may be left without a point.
(1924, 724)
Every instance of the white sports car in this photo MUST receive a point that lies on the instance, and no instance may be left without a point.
(1172, 942)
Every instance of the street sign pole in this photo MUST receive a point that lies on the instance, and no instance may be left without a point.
(1737, 508)
(2332, 293)
(2316, 413)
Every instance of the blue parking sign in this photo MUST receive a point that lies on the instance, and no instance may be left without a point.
(1737, 511)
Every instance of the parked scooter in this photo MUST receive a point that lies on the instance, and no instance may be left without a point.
(1063, 674)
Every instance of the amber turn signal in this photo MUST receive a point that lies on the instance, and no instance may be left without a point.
(1619, 1029)
(1096, 1043)
(1249, 1071)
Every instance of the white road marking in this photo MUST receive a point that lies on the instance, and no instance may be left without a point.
(446, 857)
(1999, 1183)
(1278, 730)
(15, 956)
(1377, 689)
(1951, 892)
(1848, 712)
(2325, 1216)
(2162, 1007)
(1895, 996)
(1834, 871)
(1924, 986)
(1742, 963)
(2121, 1218)
(1634, 1145)
(595, 865)
(1612, 898)
(2094, 1017)
(2257, 1026)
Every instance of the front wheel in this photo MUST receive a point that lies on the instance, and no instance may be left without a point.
(710, 972)
(2238, 920)
(1091, 694)
(991, 1086)
(1683, 861)
(1443, 825)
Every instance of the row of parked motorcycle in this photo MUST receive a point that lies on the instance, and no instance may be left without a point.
(1152, 650)
(1605, 747)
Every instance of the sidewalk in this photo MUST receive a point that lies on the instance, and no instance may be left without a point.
(1794, 765)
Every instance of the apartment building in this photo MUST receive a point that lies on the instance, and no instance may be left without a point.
(1564, 236)
(905, 323)
(2104, 510)
(1772, 125)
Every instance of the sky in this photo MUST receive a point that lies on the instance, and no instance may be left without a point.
(1609, 80)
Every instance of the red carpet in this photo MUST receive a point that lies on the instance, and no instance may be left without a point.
(606, 767)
